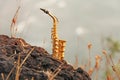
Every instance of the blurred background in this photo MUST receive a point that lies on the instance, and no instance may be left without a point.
(80, 22)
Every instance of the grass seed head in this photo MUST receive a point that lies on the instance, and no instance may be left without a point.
(104, 52)
(89, 45)
(97, 58)
(116, 68)
(90, 71)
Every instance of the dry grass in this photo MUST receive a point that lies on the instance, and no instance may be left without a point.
(13, 27)
(3, 77)
(111, 70)
(18, 67)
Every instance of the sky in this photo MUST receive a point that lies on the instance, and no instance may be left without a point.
(80, 22)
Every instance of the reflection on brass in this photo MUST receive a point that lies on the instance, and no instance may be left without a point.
(58, 46)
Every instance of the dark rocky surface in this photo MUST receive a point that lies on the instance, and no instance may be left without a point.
(39, 65)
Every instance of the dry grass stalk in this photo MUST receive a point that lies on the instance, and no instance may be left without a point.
(104, 52)
(3, 77)
(116, 68)
(97, 58)
(13, 28)
(18, 68)
(32, 78)
(108, 74)
(107, 57)
(7, 78)
(90, 72)
(48, 73)
(89, 59)
(23, 44)
(76, 62)
(56, 72)
(109, 77)
(12, 55)
(26, 57)
(20, 65)
(12, 68)
(60, 66)
(97, 66)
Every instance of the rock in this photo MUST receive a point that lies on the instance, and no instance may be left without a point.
(39, 65)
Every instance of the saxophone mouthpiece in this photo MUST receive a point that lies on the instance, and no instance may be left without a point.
(44, 10)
